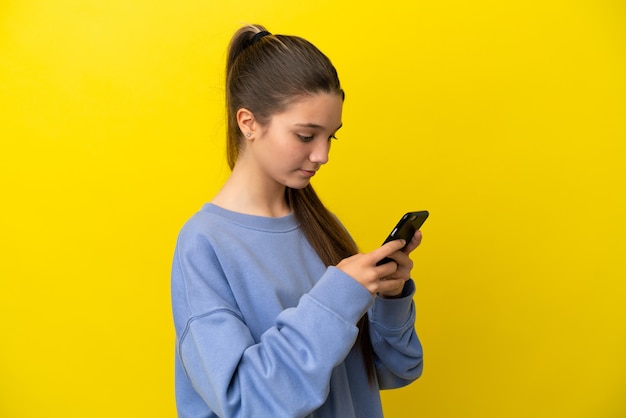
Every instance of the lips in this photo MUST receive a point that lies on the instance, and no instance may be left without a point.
(308, 173)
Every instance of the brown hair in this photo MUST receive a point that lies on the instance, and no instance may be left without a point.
(265, 74)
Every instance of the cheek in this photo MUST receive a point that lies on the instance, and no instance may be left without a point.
(291, 150)
(279, 156)
(283, 150)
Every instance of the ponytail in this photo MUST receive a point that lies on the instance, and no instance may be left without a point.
(332, 243)
(240, 40)
(265, 73)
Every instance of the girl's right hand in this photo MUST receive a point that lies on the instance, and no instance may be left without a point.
(363, 268)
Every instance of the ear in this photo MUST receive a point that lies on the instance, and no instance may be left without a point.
(247, 123)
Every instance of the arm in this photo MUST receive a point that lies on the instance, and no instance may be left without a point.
(398, 351)
(396, 346)
(287, 372)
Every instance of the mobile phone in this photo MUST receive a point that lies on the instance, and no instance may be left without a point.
(405, 229)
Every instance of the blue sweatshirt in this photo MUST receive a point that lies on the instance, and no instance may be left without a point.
(264, 329)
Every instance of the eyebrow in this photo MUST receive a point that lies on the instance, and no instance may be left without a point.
(315, 126)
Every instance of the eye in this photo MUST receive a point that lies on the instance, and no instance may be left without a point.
(332, 137)
(305, 138)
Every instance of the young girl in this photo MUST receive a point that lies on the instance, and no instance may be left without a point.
(276, 312)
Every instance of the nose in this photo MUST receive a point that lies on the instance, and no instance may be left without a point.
(320, 151)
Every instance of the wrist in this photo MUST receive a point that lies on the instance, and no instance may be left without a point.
(405, 290)
(390, 296)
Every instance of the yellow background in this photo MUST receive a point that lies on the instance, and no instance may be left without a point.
(505, 119)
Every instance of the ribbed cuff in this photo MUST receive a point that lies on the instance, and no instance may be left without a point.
(394, 313)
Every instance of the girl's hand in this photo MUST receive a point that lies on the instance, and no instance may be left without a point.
(403, 271)
(388, 279)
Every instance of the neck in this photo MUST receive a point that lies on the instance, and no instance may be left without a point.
(245, 192)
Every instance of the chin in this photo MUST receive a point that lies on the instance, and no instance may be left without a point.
(298, 185)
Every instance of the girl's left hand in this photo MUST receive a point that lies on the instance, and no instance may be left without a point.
(392, 285)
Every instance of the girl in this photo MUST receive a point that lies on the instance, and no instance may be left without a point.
(276, 312)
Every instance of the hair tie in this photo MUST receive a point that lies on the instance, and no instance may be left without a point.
(257, 36)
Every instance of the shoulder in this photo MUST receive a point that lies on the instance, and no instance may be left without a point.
(199, 231)
(209, 220)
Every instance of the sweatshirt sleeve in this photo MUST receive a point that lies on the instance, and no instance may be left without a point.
(287, 372)
(397, 348)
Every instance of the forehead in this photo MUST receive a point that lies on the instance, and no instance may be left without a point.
(321, 110)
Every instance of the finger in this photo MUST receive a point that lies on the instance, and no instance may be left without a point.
(394, 245)
(414, 243)
(386, 269)
(386, 249)
(401, 258)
